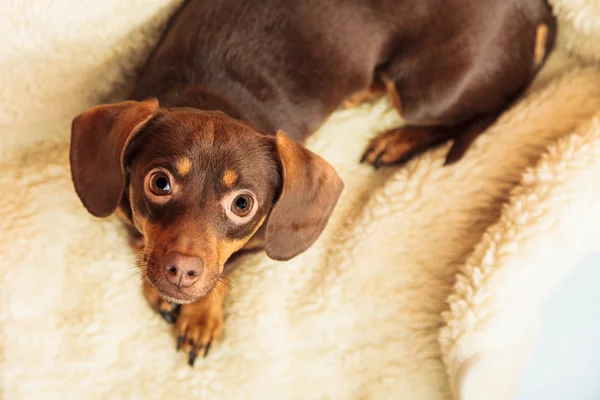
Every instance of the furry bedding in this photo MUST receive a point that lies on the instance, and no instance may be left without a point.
(426, 284)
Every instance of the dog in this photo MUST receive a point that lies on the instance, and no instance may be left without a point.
(205, 163)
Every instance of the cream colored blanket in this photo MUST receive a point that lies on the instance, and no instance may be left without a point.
(426, 283)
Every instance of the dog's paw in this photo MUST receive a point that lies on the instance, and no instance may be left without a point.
(169, 311)
(395, 146)
(198, 325)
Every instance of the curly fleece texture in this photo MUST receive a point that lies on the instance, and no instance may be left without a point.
(423, 286)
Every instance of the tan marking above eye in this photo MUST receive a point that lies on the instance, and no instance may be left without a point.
(541, 38)
(183, 166)
(230, 177)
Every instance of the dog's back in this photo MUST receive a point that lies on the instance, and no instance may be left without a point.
(289, 63)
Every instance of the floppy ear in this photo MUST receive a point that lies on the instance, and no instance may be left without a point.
(310, 191)
(99, 137)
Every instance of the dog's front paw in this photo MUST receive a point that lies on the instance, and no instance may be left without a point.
(198, 325)
(169, 311)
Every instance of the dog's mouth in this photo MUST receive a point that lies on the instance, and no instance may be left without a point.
(177, 298)
(182, 295)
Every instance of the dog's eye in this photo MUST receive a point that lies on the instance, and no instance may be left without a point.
(242, 205)
(160, 184)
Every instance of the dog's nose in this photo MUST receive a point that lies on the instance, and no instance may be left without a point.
(182, 270)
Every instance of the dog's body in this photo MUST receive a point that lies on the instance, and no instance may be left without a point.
(287, 65)
(450, 67)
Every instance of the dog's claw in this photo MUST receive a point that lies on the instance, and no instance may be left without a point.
(167, 316)
(364, 157)
(192, 358)
(170, 315)
(179, 342)
(207, 347)
(377, 162)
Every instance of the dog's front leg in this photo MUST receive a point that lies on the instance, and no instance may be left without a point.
(197, 324)
(200, 323)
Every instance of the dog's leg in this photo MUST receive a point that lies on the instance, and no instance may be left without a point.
(399, 145)
(200, 323)
(197, 324)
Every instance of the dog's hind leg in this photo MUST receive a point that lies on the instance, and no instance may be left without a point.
(399, 145)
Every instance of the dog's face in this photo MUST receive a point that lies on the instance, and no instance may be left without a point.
(198, 186)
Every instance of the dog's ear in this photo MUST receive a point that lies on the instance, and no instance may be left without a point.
(309, 193)
(99, 138)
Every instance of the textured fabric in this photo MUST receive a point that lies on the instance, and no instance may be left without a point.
(391, 303)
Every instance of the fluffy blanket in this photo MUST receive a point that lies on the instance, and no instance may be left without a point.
(426, 283)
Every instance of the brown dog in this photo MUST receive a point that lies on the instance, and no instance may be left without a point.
(196, 165)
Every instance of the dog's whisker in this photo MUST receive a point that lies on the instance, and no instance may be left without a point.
(218, 289)
(227, 282)
(134, 273)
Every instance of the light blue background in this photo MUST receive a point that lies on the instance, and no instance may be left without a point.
(566, 360)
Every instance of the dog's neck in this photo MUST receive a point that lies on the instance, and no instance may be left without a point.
(207, 99)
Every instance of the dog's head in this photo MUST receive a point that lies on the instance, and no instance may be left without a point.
(199, 185)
